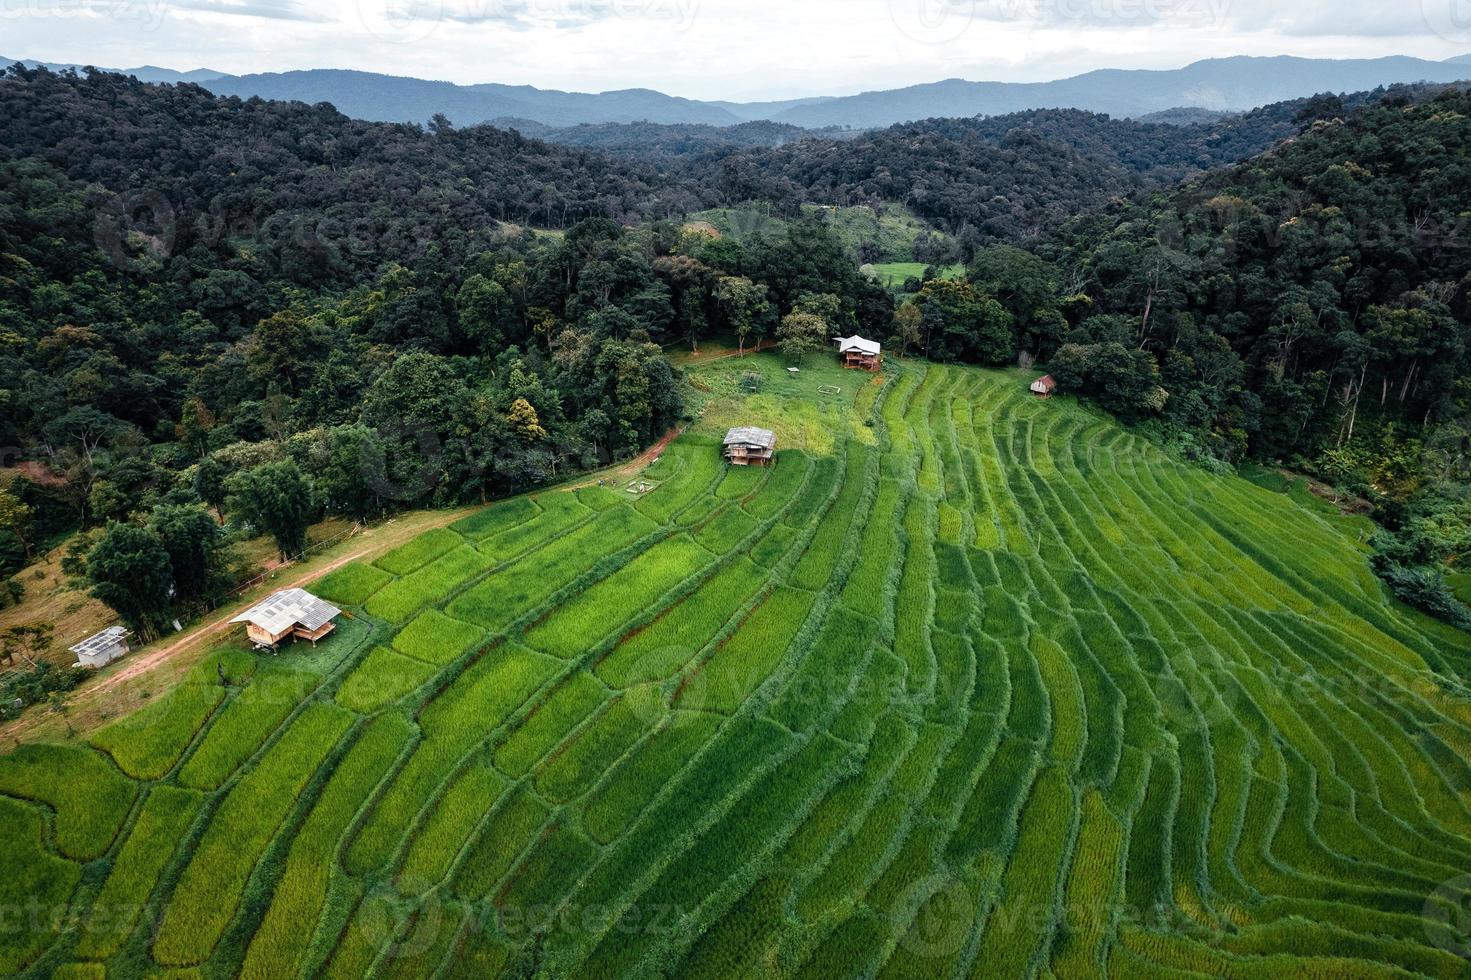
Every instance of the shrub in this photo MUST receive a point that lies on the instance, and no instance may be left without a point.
(1426, 590)
(23, 688)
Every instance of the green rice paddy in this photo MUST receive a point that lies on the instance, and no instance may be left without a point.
(968, 685)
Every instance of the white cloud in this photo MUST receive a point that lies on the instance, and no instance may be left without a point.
(267, 9)
(738, 49)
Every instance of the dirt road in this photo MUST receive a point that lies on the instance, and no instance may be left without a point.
(90, 705)
(633, 466)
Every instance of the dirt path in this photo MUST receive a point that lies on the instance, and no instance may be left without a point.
(91, 695)
(634, 465)
(142, 665)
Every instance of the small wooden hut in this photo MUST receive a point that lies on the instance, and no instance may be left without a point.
(858, 354)
(749, 446)
(102, 648)
(1044, 386)
(291, 612)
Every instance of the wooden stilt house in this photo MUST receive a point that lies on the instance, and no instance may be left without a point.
(749, 446)
(859, 354)
(292, 613)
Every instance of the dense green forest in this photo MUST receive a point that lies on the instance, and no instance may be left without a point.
(276, 312)
(203, 299)
(1014, 178)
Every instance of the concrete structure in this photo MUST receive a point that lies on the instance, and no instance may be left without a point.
(103, 648)
(291, 612)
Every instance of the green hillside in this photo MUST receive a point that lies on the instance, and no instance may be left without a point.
(884, 234)
(969, 684)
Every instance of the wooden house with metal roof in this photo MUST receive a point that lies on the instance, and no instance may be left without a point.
(747, 445)
(291, 612)
(860, 354)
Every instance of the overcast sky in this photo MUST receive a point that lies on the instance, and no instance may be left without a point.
(719, 49)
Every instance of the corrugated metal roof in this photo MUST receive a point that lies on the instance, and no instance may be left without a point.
(100, 642)
(857, 343)
(749, 435)
(288, 608)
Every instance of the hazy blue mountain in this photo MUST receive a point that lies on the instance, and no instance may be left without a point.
(387, 98)
(1220, 85)
(754, 111)
(145, 73)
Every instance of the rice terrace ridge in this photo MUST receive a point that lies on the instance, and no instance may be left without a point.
(749, 734)
(707, 490)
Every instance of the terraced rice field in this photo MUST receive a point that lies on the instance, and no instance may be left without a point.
(969, 685)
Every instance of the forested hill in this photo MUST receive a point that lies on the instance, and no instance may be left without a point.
(283, 313)
(223, 157)
(1012, 178)
(1317, 297)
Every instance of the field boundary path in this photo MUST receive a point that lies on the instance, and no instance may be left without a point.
(148, 659)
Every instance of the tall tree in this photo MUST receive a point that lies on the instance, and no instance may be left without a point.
(801, 334)
(193, 540)
(130, 571)
(275, 498)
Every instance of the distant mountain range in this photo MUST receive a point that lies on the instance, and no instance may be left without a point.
(1219, 84)
(146, 73)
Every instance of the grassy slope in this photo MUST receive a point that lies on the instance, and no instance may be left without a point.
(980, 685)
(894, 274)
(891, 229)
(51, 598)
